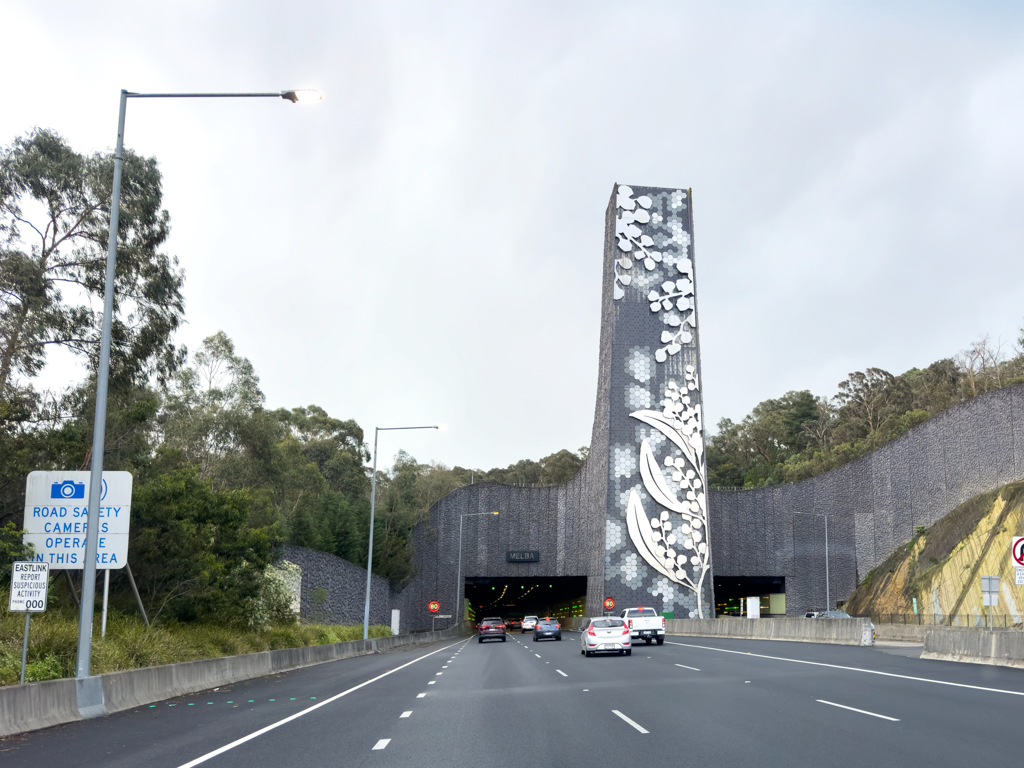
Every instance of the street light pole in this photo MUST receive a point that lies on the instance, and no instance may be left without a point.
(86, 611)
(373, 504)
(458, 572)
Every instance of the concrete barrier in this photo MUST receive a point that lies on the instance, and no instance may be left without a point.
(41, 705)
(913, 633)
(836, 631)
(1003, 648)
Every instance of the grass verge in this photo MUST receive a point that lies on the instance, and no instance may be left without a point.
(129, 644)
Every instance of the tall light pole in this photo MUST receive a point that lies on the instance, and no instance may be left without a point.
(373, 504)
(828, 595)
(85, 617)
(458, 572)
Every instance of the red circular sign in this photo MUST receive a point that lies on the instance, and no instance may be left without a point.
(433, 606)
(609, 603)
(1018, 550)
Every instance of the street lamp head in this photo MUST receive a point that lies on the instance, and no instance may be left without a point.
(441, 427)
(495, 513)
(301, 94)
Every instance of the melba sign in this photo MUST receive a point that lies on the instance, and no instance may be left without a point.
(522, 556)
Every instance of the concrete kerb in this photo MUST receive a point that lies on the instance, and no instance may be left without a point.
(1002, 648)
(53, 702)
(835, 631)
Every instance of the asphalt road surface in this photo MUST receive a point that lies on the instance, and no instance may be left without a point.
(692, 701)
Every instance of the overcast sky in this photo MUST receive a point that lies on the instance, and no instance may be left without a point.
(424, 245)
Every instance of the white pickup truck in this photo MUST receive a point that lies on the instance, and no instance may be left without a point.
(644, 623)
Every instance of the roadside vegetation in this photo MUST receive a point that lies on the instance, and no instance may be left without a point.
(129, 644)
(800, 435)
(221, 480)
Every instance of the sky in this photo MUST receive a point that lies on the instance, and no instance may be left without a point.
(424, 245)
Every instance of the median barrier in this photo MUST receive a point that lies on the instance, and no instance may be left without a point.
(1003, 648)
(836, 631)
(53, 702)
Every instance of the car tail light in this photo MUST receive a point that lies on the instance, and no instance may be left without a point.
(630, 623)
(558, 626)
(625, 630)
(662, 622)
(591, 631)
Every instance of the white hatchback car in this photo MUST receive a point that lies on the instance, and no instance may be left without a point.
(529, 624)
(605, 634)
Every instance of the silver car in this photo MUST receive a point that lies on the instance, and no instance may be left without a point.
(605, 634)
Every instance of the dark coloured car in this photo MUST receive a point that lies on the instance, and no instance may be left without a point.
(547, 629)
(492, 627)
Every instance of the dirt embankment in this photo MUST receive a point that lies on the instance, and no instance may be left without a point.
(941, 566)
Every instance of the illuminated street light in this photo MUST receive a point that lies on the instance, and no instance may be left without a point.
(89, 694)
(301, 94)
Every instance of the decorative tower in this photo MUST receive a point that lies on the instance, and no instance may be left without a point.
(657, 543)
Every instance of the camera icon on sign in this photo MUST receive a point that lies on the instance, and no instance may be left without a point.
(69, 489)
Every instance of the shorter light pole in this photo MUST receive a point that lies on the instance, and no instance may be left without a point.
(828, 595)
(458, 572)
(373, 502)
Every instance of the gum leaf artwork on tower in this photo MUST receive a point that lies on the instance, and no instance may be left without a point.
(655, 260)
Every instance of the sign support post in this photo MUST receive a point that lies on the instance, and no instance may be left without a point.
(1017, 555)
(24, 649)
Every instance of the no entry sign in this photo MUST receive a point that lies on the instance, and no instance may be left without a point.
(609, 603)
(433, 606)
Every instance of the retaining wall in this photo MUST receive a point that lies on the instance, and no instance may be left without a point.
(1003, 648)
(837, 631)
(40, 705)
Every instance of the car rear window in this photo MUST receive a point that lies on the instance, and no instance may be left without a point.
(642, 612)
(607, 623)
(548, 622)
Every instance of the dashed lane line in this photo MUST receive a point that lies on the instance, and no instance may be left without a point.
(853, 669)
(306, 711)
(561, 673)
(420, 695)
(686, 667)
(854, 709)
(382, 743)
(405, 714)
(631, 722)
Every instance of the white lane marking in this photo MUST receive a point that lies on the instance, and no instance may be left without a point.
(561, 673)
(405, 714)
(445, 667)
(537, 655)
(635, 725)
(855, 669)
(439, 673)
(381, 744)
(306, 711)
(686, 667)
(420, 695)
(854, 709)
(432, 682)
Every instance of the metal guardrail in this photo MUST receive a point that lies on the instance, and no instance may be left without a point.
(999, 621)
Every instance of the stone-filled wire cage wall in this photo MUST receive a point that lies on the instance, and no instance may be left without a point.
(657, 544)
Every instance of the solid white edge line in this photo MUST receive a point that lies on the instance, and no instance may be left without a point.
(382, 743)
(854, 669)
(306, 711)
(635, 725)
(561, 673)
(686, 667)
(854, 709)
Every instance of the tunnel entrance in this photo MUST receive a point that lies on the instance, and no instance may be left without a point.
(731, 590)
(515, 597)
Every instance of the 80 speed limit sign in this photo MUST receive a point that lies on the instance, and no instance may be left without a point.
(28, 587)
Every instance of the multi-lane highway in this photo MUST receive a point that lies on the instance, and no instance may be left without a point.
(693, 701)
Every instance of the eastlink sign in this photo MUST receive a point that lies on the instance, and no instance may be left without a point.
(57, 517)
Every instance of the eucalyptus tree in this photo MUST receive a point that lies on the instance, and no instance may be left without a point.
(54, 219)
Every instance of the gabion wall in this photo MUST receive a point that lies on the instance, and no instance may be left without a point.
(873, 504)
